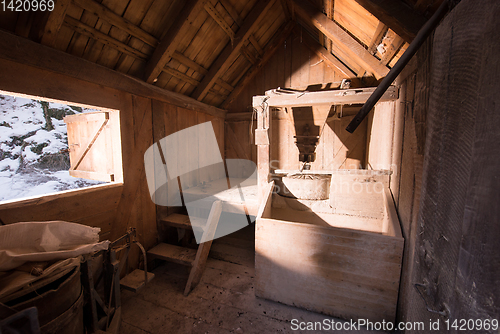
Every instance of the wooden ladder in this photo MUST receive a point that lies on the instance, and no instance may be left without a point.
(187, 256)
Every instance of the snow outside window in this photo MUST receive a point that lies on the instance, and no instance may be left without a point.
(35, 158)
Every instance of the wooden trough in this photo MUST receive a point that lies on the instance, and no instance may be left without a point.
(344, 263)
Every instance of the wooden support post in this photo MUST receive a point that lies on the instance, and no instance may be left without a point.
(262, 140)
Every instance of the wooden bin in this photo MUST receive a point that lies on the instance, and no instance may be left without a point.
(339, 264)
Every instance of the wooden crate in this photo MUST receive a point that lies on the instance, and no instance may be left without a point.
(342, 265)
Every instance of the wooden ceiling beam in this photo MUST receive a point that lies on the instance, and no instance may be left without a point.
(317, 48)
(181, 76)
(377, 37)
(112, 18)
(54, 23)
(392, 50)
(232, 12)
(169, 43)
(269, 50)
(214, 13)
(84, 29)
(189, 63)
(256, 44)
(397, 15)
(226, 57)
(248, 55)
(341, 38)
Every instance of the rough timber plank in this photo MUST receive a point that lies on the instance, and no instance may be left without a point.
(344, 96)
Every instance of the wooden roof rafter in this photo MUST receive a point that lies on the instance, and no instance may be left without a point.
(340, 38)
(268, 51)
(118, 21)
(54, 22)
(397, 15)
(377, 37)
(226, 57)
(171, 40)
(214, 13)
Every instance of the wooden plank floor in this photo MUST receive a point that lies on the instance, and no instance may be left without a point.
(223, 302)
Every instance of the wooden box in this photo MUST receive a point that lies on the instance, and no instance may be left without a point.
(346, 263)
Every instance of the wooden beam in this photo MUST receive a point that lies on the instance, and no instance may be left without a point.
(232, 12)
(189, 63)
(33, 55)
(329, 13)
(269, 51)
(225, 58)
(397, 15)
(182, 76)
(286, 9)
(54, 23)
(311, 15)
(328, 97)
(377, 37)
(224, 85)
(114, 19)
(214, 13)
(317, 48)
(169, 43)
(248, 55)
(392, 50)
(84, 29)
(255, 44)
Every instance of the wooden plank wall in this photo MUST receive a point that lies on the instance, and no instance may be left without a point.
(116, 208)
(454, 230)
(294, 66)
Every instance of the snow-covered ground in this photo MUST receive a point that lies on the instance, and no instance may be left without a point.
(33, 154)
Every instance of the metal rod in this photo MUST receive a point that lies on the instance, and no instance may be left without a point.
(422, 35)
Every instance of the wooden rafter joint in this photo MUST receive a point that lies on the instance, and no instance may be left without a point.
(88, 31)
(230, 52)
(214, 13)
(312, 16)
(118, 21)
(168, 44)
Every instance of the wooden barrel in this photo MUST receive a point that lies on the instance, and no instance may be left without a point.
(59, 304)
